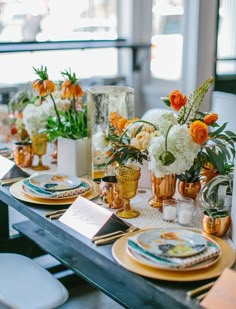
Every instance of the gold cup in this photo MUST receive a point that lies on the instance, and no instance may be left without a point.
(23, 154)
(39, 148)
(109, 192)
(127, 180)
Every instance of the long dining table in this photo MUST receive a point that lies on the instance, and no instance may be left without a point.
(95, 264)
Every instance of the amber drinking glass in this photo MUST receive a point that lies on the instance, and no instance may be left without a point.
(127, 181)
(39, 142)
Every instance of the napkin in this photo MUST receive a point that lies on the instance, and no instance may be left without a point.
(212, 250)
(83, 187)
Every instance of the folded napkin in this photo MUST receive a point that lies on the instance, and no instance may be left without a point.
(212, 250)
(82, 188)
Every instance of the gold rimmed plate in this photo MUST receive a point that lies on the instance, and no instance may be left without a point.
(226, 259)
(17, 192)
(144, 260)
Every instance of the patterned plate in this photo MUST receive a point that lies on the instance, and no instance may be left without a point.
(171, 242)
(55, 182)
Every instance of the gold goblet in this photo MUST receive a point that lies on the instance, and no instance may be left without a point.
(127, 182)
(39, 142)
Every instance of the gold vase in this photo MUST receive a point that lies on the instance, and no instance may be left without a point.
(189, 189)
(127, 182)
(39, 142)
(162, 188)
(216, 226)
(23, 154)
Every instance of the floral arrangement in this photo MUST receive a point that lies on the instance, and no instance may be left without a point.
(181, 142)
(129, 139)
(67, 115)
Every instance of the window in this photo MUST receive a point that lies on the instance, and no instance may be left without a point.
(167, 39)
(24, 21)
(226, 40)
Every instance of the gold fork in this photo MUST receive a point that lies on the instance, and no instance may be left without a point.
(106, 239)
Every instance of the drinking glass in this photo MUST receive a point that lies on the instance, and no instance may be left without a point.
(39, 142)
(185, 211)
(127, 182)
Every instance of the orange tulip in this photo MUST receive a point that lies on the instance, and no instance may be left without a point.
(199, 132)
(210, 118)
(177, 100)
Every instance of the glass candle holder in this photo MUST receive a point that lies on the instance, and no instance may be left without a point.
(185, 211)
(169, 210)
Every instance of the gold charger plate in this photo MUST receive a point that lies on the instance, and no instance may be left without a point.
(16, 191)
(227, 259)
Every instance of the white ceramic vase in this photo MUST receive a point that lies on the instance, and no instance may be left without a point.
(73, 156)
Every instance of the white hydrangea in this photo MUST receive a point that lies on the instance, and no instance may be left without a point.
(34, 118)
(162, 119)
(180, 144)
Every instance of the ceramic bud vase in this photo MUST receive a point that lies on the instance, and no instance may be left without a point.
(162, 188)
(189, 189)
(72, 156)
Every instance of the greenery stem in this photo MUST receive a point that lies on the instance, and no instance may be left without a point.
(56, 110)
(74, 108)
(137, 121)
(167, 137)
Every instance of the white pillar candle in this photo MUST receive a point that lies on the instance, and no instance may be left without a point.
(185, 216)
(169, 213)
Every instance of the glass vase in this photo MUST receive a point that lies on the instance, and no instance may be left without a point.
(162, 188)
(101, 102)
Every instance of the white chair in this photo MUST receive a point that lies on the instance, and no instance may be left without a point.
(24, 284)
(224, 104)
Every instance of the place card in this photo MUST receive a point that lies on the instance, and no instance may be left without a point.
(222, 294)
(8, 169)
(91, 220)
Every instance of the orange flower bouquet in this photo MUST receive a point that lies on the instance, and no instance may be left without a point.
(195, 142)
(69, 120)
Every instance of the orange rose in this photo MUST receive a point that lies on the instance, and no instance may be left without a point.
(199, 132)
(177, 100)
(121, 124)
(210, 118)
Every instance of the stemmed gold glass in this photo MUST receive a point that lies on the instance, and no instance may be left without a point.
(127, 182)
(39, 142)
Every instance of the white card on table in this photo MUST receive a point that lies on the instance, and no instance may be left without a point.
(89, 219)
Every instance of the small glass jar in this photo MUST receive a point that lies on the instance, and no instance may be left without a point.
(185, 211)
(169, 210)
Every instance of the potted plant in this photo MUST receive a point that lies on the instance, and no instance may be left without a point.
(67, 125)
(216, 199)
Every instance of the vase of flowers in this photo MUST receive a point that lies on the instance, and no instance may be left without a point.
(67, 120)
(35, 121)
(103, 102)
